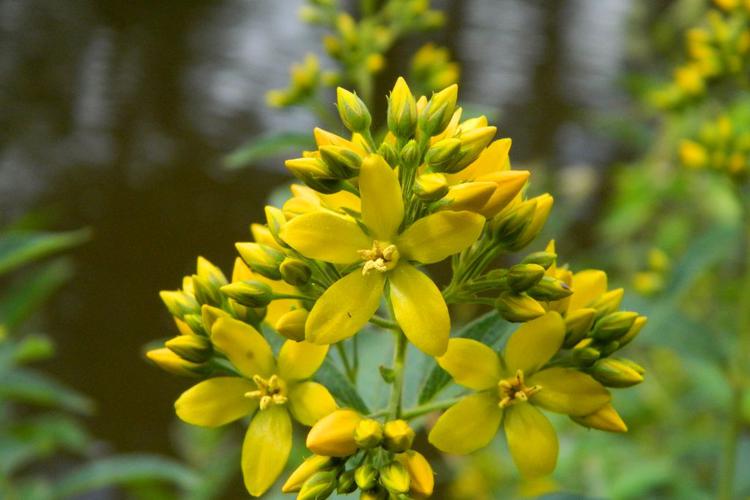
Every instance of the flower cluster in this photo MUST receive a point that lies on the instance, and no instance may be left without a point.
(722, 144)
(348, 249)
(359, 47)
(718, 50)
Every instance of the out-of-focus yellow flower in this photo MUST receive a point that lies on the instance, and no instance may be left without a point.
(273, 390)
(385, 253)
(510, 388)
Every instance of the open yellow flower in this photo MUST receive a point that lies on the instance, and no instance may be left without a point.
(509, 390)
(385, 255)
(268, 389)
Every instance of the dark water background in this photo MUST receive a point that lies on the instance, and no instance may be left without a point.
(116, 115)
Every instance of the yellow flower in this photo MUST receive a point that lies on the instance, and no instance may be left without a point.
(384, 255)
(509, 390)
(268, 389)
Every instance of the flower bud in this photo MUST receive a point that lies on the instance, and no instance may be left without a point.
(333, 435)
(421, 476)
(607, 303)
(342, 162)
(441, 156)
(436, 114)
(509, 184)
(262, 259)
(402, 110)
(292, 324)
(518, 308)
(209, 315)
(431, 187)
(577, 325)
(170, 362)
(544, 259)
(194, 323)
(366, 476)
(205, 291)
(346, 483)
(614, 373)
(410, 154)
(179, 303)
(249, 293)
(211, 273)
(389, 153)
(473, 143)
(374, 494)
(190, 347)
(311, 167)
(319, 486)
(521, 277)
(638, 325)
(605, 418)
(353, 112)
(295, 272)
(550, 289)
(398, 436)
(368, 434)
(613, 325)
(469, 195)
(533, 228)
(609, 348)
(586, 356)
(395, 478)
(310, 466)
(507, 226)
(632, 364)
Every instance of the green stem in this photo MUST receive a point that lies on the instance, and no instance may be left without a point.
(384, 323)
(738, 376)
(424, 409)
(345, 359)
(399, 358)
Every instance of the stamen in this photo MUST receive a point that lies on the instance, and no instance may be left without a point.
(514, 390)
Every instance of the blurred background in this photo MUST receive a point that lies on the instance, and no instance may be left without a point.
(119, 116)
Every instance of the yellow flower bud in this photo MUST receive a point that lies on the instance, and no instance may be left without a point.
(211, 273)
(402, 110)
(638, 325)
(374, 494)
(542, 209)
(368, 433)
(518, 307)
(353, 112)
(205, 291)
(544, 259)
(421, 476)
(190, 347)
(431, 187)
(443, 154)
(550, 289)
(613, 325)
(614, 373)
(586, 356)
(366, 476)
(295, 272)
(577, 325)
(262, 259)
(275, 221)
(311, 168)
(342, 162)
(410, 154)
(438, 111)
(209, 315)
(508, 224)
(319, 485)
(172, 363)
(346, 483)
(292, 324)
(473, 143)
(398, 436)
(608, 302)
(179, 303)
(470, 196)
(333, 435)
(395, 478)
(605, 418)
(249, 293)
(310, 466)
(521, 277)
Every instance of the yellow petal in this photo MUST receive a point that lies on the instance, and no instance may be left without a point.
(439, 235)
(509, 184)
(326, 236)
(471, 364)
(565, 390)
(266, 448)
(244, 346)
(587, 285)
(344, 308)
(420, 309)
(605, 418)
(534, 343)
(333, 435)
(382, 205)
(470, 196)
(468, 425)
(531, 439)
(299, 360)
(216, 401)
(309, 402)
(342, 201)
(493, 159)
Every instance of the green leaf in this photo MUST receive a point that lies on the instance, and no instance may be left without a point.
(340, 387)
(489, 329)
(21, 247)
(26, 295)
(31, 387)
(124, 470)
(267, 146)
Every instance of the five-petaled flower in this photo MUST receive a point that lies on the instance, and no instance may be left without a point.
(509, 390)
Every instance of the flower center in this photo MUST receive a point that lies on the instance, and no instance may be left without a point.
(512, 390)
(270, 391)
(382, 257)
